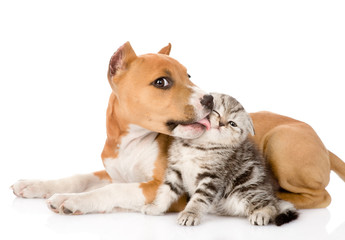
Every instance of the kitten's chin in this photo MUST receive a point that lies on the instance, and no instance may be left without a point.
(215, 136)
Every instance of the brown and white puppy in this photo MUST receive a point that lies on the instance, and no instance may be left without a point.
(152, 96)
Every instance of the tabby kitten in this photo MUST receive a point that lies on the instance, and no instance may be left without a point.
(222, 171)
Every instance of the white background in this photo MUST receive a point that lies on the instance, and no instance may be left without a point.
(283, 56)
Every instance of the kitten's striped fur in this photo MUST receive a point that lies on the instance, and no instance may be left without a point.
(222, 171)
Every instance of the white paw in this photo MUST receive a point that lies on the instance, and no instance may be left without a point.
(152, 209)
(260, 218)
(68, 204)
(186, 218)
(32, 189)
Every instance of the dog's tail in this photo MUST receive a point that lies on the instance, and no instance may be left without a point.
(337, 165)
(286, 213)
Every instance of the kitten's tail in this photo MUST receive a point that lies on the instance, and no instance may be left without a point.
(286, 213)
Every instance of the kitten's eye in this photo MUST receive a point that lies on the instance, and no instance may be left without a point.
(216, 112)
(233, 124)
(162, 83)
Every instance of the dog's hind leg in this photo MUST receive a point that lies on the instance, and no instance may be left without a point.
(300, 163)
(74, 184)
(319, 199)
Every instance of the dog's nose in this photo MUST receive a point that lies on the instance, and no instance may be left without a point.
(207, 101)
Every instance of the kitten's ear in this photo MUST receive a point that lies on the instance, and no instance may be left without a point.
(250, 126)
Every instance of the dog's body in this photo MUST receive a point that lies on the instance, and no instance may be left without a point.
(299, 160)
(153, 98)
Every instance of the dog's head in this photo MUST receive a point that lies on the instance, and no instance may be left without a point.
(154, 91)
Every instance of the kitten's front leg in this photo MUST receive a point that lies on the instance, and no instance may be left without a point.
(199, 203)
(167, 193)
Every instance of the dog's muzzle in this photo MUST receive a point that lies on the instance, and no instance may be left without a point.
(207, 102)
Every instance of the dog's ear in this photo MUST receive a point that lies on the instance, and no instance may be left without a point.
(165, 50)
(121, 59)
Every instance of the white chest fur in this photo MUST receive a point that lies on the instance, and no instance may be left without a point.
(187, 164)
(138, 152)
(190, 170)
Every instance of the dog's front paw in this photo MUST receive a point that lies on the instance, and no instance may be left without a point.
(152, 209)
(260, 218)
(187, 218)
(66, 204)
(32, 189)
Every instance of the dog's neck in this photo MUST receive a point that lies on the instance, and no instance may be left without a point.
(119, 130)
(119, 120)
(138, 134)
(127, 143)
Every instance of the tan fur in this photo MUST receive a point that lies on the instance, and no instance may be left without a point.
(299, 160)
(165, 50)
(337, 165)
(103, 175)
(150, 188)
(114, 133)
(123, 102)
(160, 106)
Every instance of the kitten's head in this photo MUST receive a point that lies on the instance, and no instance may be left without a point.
(230, 123)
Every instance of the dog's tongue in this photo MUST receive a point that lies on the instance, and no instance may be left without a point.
(205, 122)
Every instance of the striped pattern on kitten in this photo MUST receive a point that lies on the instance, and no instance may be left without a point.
(223, 173)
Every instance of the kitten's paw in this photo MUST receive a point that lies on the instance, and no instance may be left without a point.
(186, 218)
(31, 189)
(152, 209)
(260, 218)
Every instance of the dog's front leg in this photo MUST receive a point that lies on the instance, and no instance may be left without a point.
(102, 200)
(74, 184)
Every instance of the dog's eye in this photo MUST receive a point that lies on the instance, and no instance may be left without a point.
(162, 83)
(233, 124)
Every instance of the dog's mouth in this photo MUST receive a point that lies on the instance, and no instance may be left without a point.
(203, 124)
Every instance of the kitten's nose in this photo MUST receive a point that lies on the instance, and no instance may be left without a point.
(207, 101)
